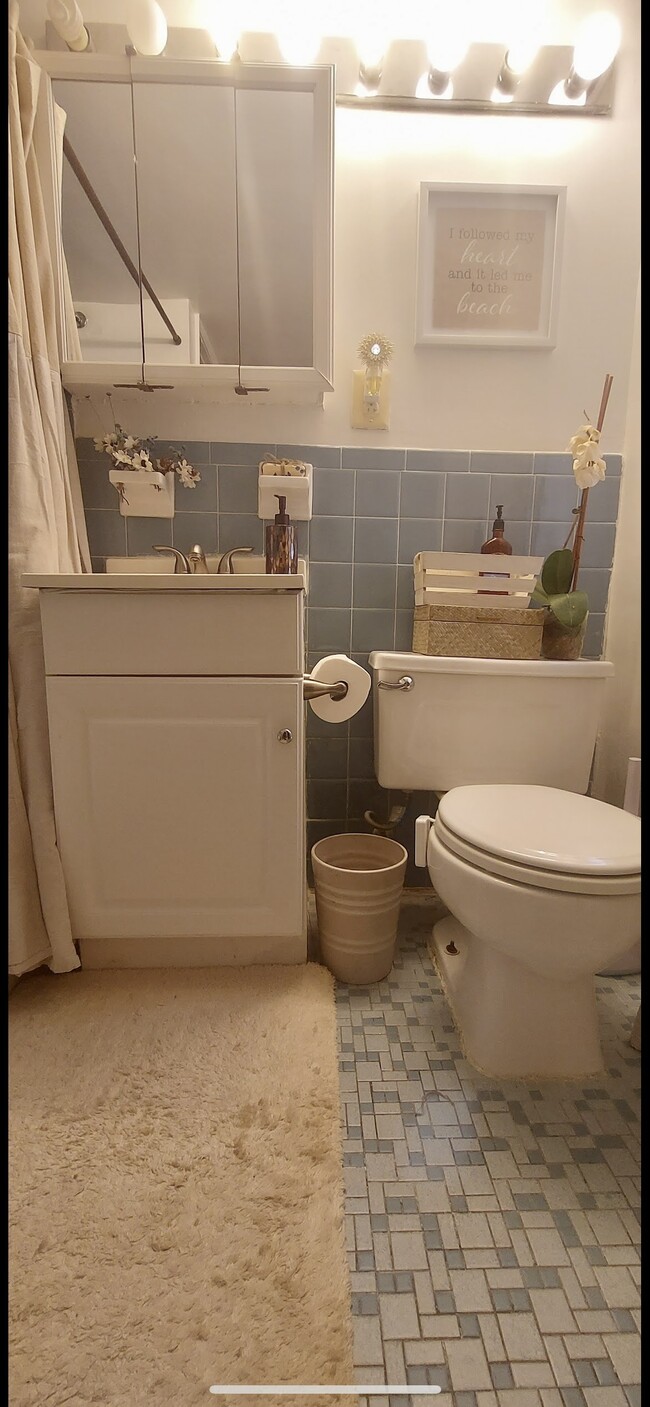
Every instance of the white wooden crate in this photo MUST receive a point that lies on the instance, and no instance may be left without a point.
(459, 579)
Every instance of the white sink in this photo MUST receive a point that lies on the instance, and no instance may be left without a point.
(145, 573)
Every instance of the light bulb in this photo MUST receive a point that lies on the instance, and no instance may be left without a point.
(447, 43)
(371, 32)
(597, 45)
(371, 48)
(560, 98)
(521, 54)
(225, 34)
(147, 27)
(424, 90)
(498, 95)
(68, 22)
(222, 26)
(300, 44)
(367, 87)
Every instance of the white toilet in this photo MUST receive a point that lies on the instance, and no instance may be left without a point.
(542, 883)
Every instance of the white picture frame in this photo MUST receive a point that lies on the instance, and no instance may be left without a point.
(489, 277)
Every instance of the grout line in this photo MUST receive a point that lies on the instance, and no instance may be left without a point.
(397, 546)
(348, 740)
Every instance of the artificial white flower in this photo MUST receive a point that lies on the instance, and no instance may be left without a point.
(587, 435)
(188, 476)
(588, 468)
(105, 444)
(121, 457)
(130, 442)
(141, 460)
(588, 471)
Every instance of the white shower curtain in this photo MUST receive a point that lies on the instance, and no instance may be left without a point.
(46, 525)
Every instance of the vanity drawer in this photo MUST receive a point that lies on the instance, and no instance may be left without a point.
(195, 633)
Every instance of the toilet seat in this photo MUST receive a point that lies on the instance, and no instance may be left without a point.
(543, 837)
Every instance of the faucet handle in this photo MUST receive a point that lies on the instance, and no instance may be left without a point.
(181, 563)
(225, 562)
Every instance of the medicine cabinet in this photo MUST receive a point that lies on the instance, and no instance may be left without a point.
(194, 228)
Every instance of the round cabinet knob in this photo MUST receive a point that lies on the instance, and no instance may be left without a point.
(285, 735)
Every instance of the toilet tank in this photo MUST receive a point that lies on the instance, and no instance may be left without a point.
(465, 721)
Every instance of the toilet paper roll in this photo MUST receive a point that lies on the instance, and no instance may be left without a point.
(328, 671)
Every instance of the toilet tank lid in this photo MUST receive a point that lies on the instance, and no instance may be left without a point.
(444, 664)
(545, 828)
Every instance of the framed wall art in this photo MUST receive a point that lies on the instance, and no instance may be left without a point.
(488, 265)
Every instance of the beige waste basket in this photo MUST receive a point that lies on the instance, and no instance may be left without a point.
(358, 881)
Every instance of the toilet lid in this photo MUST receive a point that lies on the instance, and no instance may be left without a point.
(545, 828)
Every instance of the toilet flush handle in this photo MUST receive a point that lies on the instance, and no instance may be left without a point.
(406, 682)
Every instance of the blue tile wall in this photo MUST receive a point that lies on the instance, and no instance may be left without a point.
(373, 510)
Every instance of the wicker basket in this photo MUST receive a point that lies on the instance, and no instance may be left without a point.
(451, 619)
(478, 632)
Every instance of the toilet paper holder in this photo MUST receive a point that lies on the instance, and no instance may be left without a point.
(316, 689)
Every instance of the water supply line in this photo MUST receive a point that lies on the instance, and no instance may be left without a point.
(396, 814)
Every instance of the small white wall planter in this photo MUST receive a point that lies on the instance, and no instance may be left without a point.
(297, 490)
(144, 493)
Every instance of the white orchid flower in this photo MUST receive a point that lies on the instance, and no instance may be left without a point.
(588, 435)
(588, 472)
(588, 468)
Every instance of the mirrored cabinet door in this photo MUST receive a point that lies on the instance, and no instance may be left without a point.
(275, 199)
(185, 152)
(99, 222)
(196, 224)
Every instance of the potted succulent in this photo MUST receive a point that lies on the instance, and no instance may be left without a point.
(567, 608)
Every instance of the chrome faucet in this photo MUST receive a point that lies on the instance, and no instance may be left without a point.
(225, 562)
(192, 564)
(197, 562)
(181, 565)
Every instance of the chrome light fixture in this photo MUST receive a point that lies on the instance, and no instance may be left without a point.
(596, 48)
(371, 31)
(447, 44)
(518, 59)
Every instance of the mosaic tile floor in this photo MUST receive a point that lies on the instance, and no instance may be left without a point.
(492, 1227)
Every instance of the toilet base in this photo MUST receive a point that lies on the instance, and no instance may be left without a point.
(515, 1023)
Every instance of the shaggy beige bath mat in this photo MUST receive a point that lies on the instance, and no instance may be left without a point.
(175, 1187)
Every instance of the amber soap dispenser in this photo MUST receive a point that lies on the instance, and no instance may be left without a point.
(281, 545)
(496, 545)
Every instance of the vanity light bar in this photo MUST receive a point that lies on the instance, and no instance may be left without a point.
(409, 74)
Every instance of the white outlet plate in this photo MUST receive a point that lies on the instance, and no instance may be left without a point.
(363, 418)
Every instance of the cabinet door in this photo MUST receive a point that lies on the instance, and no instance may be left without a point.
(215, 272)
(99, 224)
(179, 811)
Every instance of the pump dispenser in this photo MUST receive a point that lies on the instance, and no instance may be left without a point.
(496, 545)
(281, 546)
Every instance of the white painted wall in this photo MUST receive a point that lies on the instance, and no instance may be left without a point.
(620, 736)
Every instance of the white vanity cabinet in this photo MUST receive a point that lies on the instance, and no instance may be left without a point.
(179, 796)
